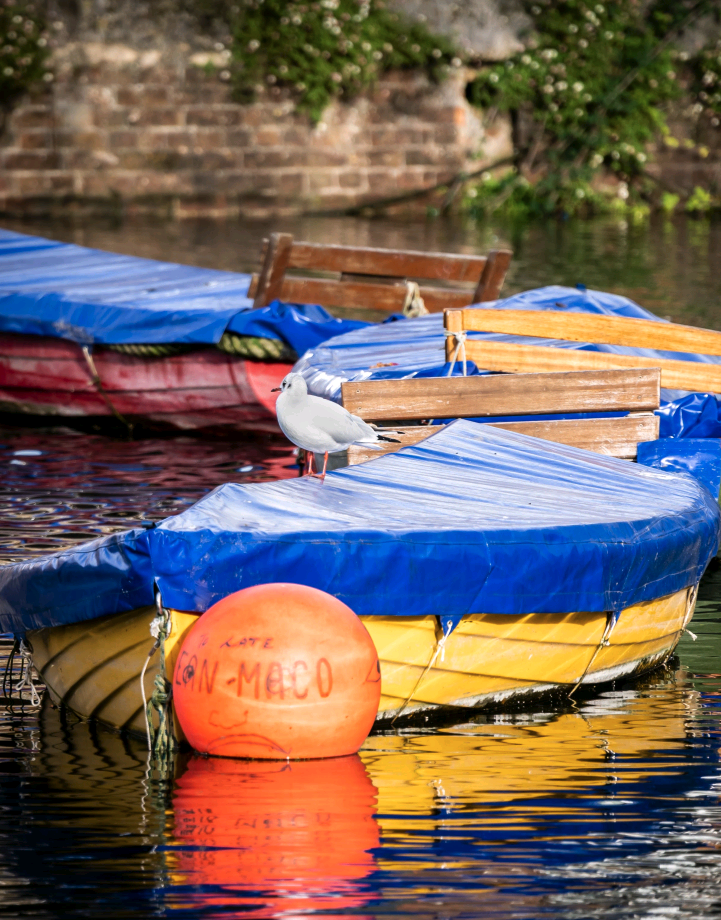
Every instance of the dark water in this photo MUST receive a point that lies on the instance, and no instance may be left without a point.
(608, 807)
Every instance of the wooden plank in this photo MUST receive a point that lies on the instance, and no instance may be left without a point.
(494, 274)
(407, 436)
(677, 375)
(436, 266)
(507, 394)
(276, 260)
(614, 437)
(588, 327)
(391, 298)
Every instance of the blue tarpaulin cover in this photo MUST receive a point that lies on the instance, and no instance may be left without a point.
(416, 348)
(102, 298)
(701, 457)
(473, 519)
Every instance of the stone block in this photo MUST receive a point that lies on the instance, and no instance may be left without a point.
(269, 136)
(320, 181)
(214, 116)
(166, 139)
(29, 159)
(255, 116)
(33, 116)
(127, 139)
(214, 93)
(156, 116)
(294, 136)
(384, 182)
(112, 118)
(279, 158)
(133, 159)
(335, 200)
(84, 140)
(385, 157)
(326, 158)
(239, 137)
(445, 134)
(38, 139)
(353, 179)
(75, 116)
(290, 183)
(420, 156)
(156, 94)
(62, 183)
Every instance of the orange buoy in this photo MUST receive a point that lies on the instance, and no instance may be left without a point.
(277, 672)
(273, 837)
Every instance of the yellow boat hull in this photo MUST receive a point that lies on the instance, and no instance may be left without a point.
(94, 667)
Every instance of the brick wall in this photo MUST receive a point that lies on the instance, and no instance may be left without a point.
(124, 130)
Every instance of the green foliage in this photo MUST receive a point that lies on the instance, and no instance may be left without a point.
(700, 201)
(317, 51)
(23, 49)
(669, 202)
(519, 199)
(594, 84)
(706, 83)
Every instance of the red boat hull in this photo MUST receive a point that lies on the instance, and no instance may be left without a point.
(203, 388)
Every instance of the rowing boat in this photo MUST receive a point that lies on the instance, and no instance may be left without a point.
(488, 567)
(85, 333)
(543, 330)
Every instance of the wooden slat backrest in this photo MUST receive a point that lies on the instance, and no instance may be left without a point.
(584, 327)
(617, 437)
(599, 329)
(503, 394)
(373, 278)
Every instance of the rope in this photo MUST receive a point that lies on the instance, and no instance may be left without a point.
(160, 350)
(161, 743)
(95, 377)
(460, 339)
(7, 674)
(250, 347)
(27, 681)
(611, 620)
(440, 648)
(256, 348)
(413, 304)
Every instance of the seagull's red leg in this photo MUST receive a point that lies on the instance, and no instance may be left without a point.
(325, 464)
(307, 462)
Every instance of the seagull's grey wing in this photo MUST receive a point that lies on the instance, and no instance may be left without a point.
(336, 422)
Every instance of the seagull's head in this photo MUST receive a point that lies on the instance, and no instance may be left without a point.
(294, 384)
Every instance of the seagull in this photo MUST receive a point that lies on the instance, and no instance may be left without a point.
(319, 425)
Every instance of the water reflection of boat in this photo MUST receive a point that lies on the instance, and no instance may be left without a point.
(503, 812)
(270, 837)
(487, 566)
(509, 796)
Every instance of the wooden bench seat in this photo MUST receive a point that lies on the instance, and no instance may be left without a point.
(376, 279)
(396, 402)
(583, 327)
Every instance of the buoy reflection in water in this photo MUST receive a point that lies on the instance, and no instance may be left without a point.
(274, 838)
